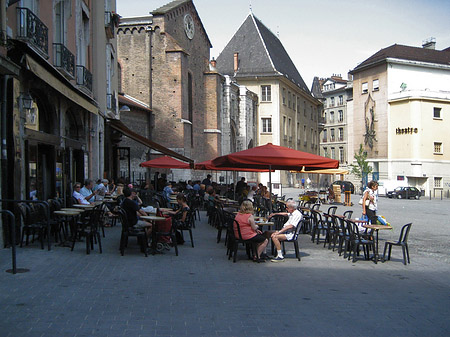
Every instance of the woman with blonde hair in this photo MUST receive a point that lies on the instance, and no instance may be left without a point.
(249, 230)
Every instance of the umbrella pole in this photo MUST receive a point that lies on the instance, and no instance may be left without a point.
(270, 188)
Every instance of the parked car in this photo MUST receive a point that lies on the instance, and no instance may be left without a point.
(404, 193)
(345, 185)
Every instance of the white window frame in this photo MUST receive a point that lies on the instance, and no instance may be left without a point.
(437, 182)
(375, 85)
(438, 146)
(364, 87)
(266, 93)
(434, 112)
(266, 123)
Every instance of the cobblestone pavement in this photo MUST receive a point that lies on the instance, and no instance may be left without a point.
(201, 293)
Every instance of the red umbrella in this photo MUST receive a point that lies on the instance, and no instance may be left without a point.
(274, 157)
(165, 162)
(207, 165)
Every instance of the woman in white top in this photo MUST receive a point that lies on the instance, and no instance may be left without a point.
(369, 204)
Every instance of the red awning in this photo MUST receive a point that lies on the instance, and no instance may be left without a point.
(165, 162)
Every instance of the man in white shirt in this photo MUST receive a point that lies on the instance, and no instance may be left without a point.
(86, 191)
(287, 232)
(77, 195)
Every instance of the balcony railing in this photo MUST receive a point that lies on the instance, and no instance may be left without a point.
(64, 59)
(84, 77)
(111, 102)
(31, 29)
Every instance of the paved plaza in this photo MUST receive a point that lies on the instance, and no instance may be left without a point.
(201, 293)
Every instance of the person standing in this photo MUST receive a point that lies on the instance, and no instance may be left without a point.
(370, 202)
(207, 180)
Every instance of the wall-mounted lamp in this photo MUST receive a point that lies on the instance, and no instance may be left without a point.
(92, 132)
(26, 101)
(125, 108)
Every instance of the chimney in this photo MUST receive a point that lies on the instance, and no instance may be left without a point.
(236, 62)
(429, 43)
(213, 62)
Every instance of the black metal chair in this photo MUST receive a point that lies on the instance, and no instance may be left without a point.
(128, 231)
(186, 225)
(33, 222)
(89, 230)
(402, 242)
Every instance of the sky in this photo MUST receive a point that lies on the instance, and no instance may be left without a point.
(322, 37)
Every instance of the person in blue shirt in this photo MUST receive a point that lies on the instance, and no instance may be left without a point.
(167, 191)
(87, 192)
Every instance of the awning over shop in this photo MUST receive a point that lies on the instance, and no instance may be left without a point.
(58, 85)
(122, 128)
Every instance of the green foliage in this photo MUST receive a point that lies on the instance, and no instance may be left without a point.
(362, 168)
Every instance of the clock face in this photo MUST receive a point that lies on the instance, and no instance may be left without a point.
(189, 26)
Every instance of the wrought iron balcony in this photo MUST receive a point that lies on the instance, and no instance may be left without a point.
(31, 29)
(111, 102)
(64, 59)
(84, 77)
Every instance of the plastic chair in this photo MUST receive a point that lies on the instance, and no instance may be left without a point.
(89, 230)
(294, 240)
(187, 225)
(402, 242)
(128, 231)
(357, 239)
(250, 247)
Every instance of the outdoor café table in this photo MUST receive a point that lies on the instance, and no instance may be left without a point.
(84, 206)
(152, 218)
(263, 222)
(69, 218)
(79, 210)
(376, 228)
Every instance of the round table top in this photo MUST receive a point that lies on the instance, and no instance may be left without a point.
(66, 212)
(151, 217)
(83, 206)
(79, 210)
(377, 227)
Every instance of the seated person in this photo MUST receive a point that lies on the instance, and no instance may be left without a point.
(181, 213)
(167, 191)
(132, 209)
(87, 192)
(287, 232)
(77, 195)
(249, 230)
(211, 196)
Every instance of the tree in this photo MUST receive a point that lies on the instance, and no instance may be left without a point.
(362, 168)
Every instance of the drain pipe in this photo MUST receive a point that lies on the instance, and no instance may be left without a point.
(4, 160)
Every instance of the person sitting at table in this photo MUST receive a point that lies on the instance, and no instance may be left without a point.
(87, 192)
(287, 232)
(183, 208)
(167, 192)
(249, 230)
(251, 193)
(77, 195)
(211, 196)
(133, 210)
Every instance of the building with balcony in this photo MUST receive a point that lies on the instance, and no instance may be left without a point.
(401, 108)
(288, 114)
(335, 93)
(56, 105)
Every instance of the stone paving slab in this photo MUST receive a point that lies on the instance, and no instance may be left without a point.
(201, 293)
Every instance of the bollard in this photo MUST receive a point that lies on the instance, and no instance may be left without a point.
(12, 229)
(441, 194)
(430, 194)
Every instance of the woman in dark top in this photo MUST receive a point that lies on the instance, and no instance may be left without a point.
(181, 213)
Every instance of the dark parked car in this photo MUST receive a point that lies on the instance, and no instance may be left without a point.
(345, 186)
(404, 193)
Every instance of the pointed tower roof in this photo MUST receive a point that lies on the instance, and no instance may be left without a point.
(261, 53)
